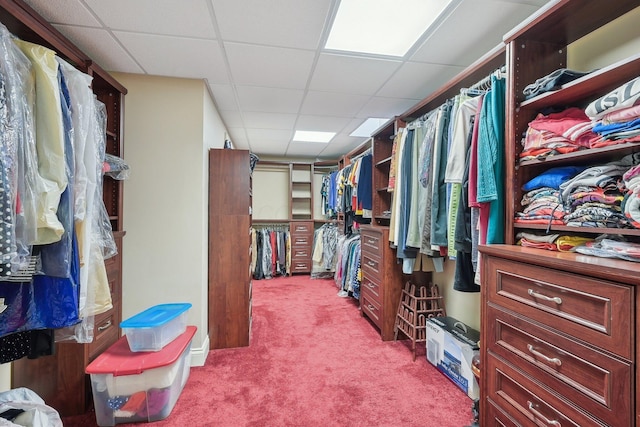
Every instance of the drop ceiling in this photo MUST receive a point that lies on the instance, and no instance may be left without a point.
(265, 64)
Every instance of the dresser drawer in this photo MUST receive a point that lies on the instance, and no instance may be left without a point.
(497, 418)
(105, 332)
(597, 311)
(371, 308)
(515, 392)
(300, 266)
(371, 242)
(301, 240)
(371, 267)
(301, 227)
(300, 253)
(593, 380)
(371, 286)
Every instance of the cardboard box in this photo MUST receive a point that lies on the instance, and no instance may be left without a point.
(451, 346)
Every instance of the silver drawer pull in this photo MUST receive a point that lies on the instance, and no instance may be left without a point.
(537, 295)
(370, 307)
(371, 285)
(371, 263)
(537, 414)
(371, 241)
(105, 326)
(554, 360)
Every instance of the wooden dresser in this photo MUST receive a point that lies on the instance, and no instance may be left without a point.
(558, 338)
(301, 246)
(381, 285)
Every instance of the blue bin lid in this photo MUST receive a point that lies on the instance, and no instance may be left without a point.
(156, 315)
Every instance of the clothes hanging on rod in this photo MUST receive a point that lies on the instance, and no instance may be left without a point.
(348, 275)
(349, 191)
(325, 242)
(52, 149)
(439, 166)
(270, 250)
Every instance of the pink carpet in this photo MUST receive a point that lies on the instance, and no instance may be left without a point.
(313, 361)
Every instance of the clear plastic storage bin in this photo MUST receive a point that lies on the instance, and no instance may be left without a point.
(157, 326)
(131, 387)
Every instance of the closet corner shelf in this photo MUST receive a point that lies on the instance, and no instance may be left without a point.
(382, 189)
(591, 85)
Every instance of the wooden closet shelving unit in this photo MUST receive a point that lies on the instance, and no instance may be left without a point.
(60, 379)
(559, 330)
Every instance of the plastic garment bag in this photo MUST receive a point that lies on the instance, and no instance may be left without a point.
(31, 410)
(56, 257)
(18, 148)
(44, 303)
(49, 139)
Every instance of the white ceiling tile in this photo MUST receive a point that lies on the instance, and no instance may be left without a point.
(232, 119)
(416, 80)
(350, 74)
(386, 107)
(269, 120)
(238, 138)
(101, 47)
(322, 123)
(176, 56)
(269, 66)
(287, 23)
(223, 96)
(306, 149)
(269, 100)
(66, 12)
(188, 18)
(333, 104)
(269, 135)
(486, 33)
(341, 145)
(265, 147)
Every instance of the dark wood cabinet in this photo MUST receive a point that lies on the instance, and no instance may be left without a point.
(229, 248)
(60, 379)
(559, 329)
(301, 246)
(381, 285)
(558, 337)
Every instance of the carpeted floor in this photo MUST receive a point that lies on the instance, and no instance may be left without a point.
(313, 361)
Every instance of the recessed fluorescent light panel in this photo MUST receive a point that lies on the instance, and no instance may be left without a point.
(368, 127)
(382, 27)
(313, 136)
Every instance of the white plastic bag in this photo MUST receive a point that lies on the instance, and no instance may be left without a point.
(36, 412)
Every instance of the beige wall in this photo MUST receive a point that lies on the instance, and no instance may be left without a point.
(271, 192)
(169, 126)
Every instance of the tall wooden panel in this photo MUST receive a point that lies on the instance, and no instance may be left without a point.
(229, 248)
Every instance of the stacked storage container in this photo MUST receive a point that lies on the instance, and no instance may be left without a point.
(140, 377)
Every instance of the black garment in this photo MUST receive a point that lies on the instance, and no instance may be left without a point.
(464, 277)
(31, 344)
(551, 82)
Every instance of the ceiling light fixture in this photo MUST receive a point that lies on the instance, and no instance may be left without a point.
(313, 136)
(382, 27)
(369, 126)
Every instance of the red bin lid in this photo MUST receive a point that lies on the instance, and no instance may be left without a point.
(119, 360)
